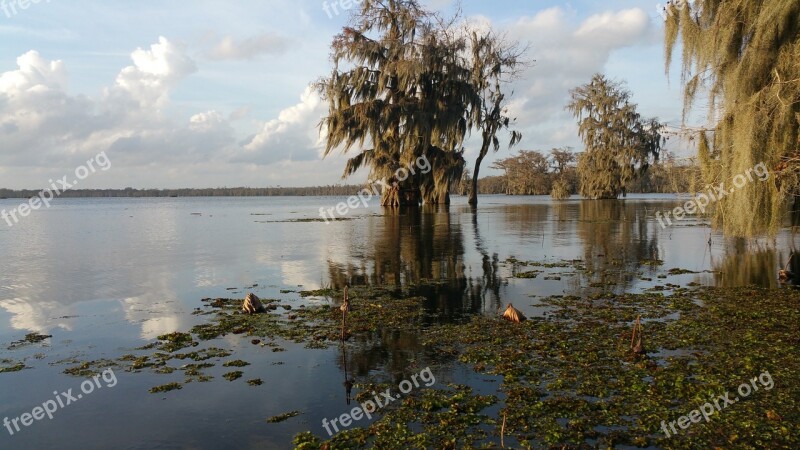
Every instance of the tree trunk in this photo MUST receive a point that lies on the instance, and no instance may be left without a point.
(473, 193)
(399, 196)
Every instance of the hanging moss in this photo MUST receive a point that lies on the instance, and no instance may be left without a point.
(743, 56)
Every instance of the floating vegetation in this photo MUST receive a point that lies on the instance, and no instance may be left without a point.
(283, 417)
(204, 354)
(529, 274)
(677, 271)
(236, 363)
(651, 262)
(89, 368)
(235, 375)
(568, 379)
(199, 378)
(175, 341)
(195, 369)
(8, 365)
(571, 380)
(166, 388)
(442, 418)
(30, 338)
(326, 292)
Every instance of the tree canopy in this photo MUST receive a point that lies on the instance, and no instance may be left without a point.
(406, 83)
(619, 142)
(400, 86)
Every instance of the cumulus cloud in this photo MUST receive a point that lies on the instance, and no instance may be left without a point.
(36, 114)
(47, 130)
(294, 132)
(614, 29)
(43, 126)
(154, 73)
(566, 55)
(249, 48)
(34, 74)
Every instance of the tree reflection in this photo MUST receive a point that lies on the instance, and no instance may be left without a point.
(417, 249)
(618, 242)
(421, 252)
(746, 264)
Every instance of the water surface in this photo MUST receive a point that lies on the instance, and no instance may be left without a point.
(104, 276)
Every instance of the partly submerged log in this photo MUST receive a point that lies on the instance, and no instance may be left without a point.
(513, 314)
(252, 304)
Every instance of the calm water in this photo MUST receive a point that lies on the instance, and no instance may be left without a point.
(106, 275)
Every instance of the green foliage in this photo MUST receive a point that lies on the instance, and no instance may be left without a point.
(530, 172)
(526, 173)
(399, 86)
(743, 56)
(560, 190)
(405, 84)
(619, 142)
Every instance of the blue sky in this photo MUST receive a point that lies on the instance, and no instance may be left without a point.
(207, 94)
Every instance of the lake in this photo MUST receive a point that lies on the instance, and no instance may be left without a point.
(105, 276)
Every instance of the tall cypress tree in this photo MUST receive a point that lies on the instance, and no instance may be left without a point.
(400, 87)
(619, 144)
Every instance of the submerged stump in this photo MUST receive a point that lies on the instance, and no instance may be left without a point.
(252, 304)
(513, 314)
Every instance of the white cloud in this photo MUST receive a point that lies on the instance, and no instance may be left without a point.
(265, 43)
(614, 29)
(46, 129)
(566, 55)
(293, 133)
(35, 74)
(154, 73)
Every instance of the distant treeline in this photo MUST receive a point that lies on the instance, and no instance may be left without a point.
(527, 174)
(337, 190)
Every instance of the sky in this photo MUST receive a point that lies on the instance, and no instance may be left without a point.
(211, 94)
